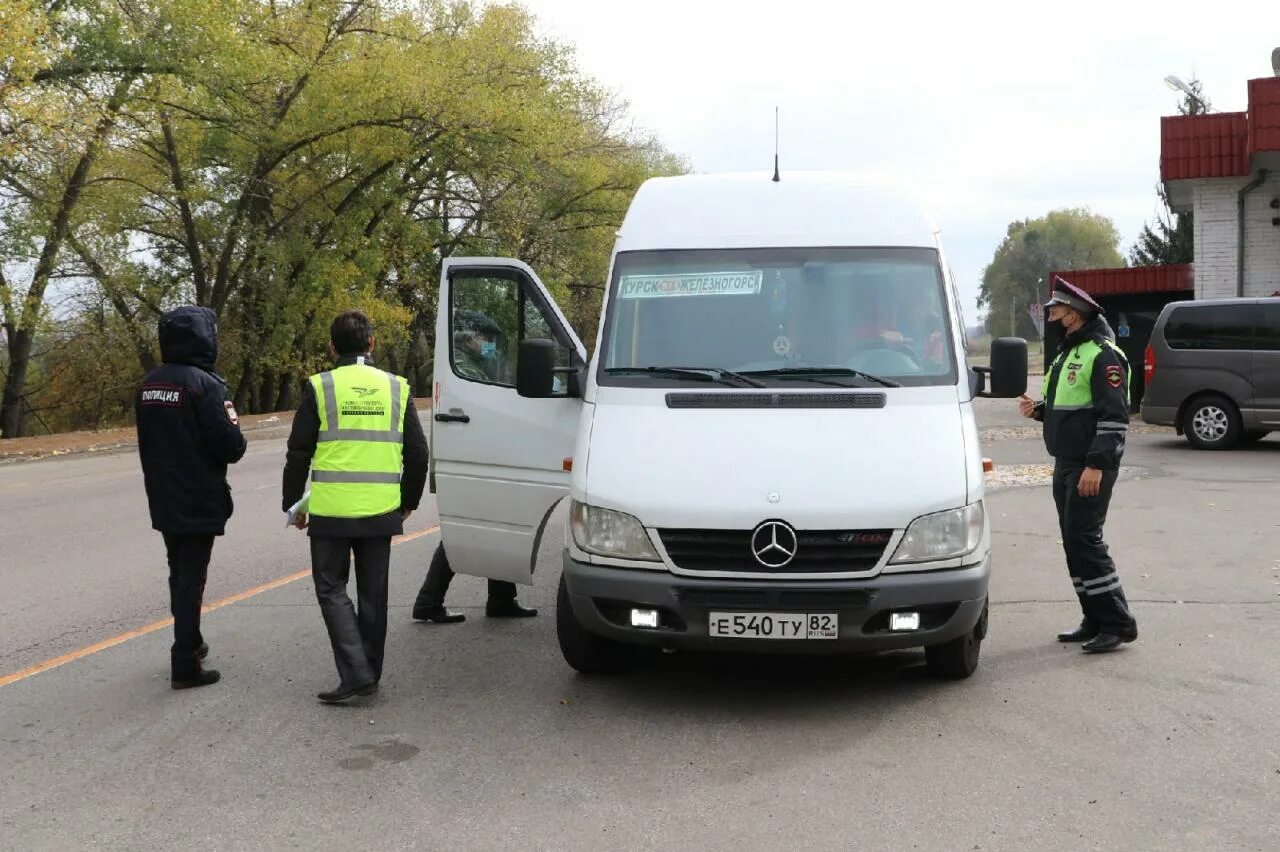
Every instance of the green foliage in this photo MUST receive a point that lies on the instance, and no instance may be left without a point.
(1018, 275)
(280, 162)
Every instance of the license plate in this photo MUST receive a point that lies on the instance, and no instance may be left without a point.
(774, 625)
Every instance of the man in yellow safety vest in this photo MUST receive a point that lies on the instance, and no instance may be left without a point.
(359, 435)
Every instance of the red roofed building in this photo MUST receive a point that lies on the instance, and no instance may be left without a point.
(1225, 168)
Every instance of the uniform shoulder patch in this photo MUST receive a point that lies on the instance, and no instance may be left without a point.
(231, 412)
(1115, 376)
(169, 396)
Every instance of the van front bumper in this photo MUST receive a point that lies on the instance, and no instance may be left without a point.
(951, 602)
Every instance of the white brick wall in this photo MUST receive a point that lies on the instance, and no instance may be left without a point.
(1216, 226)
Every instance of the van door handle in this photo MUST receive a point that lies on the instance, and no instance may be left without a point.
(454, 416)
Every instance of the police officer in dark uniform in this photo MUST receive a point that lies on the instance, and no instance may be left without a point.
(1085, 412)
(188, 433)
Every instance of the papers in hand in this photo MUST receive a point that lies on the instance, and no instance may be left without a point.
(297, 508)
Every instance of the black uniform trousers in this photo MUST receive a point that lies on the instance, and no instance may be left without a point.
(188, 557)
(358, 636)
(440, 575)
(1092, 570)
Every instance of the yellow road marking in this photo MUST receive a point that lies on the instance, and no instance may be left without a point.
(160, 625)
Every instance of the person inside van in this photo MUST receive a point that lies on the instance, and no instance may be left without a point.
(475, 349)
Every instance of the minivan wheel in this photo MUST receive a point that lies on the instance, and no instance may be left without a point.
(1212, 423)
(957, 659)
(582, 649)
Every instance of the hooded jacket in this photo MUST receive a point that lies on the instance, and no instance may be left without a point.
(1090, 433)
(188, 431)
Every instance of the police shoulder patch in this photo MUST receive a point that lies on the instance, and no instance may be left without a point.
(231, 413)
(1115, 376)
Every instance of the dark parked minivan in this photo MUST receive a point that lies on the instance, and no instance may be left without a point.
(1213, 371)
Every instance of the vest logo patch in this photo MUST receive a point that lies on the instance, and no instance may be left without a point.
(1115, 376)
(1073, 370)
(169, 396)
(363, 392)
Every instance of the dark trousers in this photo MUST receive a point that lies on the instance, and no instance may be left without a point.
(188, 568)
(440, 575)
(358, 637)
(1092, 570)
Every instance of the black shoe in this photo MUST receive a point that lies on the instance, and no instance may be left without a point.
(202, 678)
(1083, 633)
(438, 614)
(202, 651)
(508, 609)
(1105, 642)
(342, 693)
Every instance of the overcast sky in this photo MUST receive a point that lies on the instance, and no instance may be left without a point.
(1001, 110)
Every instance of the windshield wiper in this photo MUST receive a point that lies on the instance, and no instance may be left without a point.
(711, 374)
(814, 373)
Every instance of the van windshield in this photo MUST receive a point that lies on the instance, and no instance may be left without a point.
(780, 317)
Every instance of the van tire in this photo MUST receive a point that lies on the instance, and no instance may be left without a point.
(957, 659)
(1212, 423)
(582, 649)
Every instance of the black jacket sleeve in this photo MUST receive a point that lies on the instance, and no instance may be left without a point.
(414, 478)
(301, 447)
(1110, 383)
(220, 435)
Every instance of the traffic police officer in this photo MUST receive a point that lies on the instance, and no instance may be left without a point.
(358, 433)
(1085, 412)
(188, 433)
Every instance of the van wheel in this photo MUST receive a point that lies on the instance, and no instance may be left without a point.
(1212, 423)
(957, 659)
(582, 649)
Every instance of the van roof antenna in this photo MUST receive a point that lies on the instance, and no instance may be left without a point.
(776, 122)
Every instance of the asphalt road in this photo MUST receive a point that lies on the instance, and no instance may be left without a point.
(483, 738)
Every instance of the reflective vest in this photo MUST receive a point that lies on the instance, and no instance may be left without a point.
(355, 472)
(1074, 390)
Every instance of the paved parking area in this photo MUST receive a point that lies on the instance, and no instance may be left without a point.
(483, 738)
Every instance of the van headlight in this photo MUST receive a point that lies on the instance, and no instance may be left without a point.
(605, 532)
(942, 535)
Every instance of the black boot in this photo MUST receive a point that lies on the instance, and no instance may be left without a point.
(1083, 633)
(508, 609)
(342, 693)
(1106, 641)
(198, 678)
(437, 614)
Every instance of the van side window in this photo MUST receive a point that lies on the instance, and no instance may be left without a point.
(492, 312)
(1268, 334)
(1211, 327)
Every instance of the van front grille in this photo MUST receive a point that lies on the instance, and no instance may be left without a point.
(817, 551)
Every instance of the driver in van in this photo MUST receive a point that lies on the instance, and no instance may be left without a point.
(475, 357)
(475, 346)
(918, 325)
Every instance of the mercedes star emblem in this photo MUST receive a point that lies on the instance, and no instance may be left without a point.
(774, 544)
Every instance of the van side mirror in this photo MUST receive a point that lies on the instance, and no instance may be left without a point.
(1008, 370)
(535, 368)
(536, 371)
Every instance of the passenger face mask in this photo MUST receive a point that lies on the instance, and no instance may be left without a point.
(488, 349)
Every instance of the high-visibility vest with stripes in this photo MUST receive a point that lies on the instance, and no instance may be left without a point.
(355, 472)
(1075, 390)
